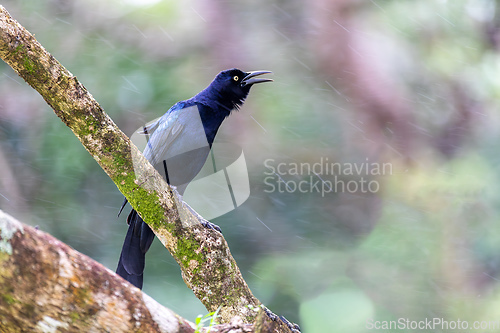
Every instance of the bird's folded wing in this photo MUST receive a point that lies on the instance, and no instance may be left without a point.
(161, 141)
(179, 131)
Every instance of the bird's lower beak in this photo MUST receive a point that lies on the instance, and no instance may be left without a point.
(251, 78)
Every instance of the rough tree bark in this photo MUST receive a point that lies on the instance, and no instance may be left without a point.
(47, 286)
(203, 255)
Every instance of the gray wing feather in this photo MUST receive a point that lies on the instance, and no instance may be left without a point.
(161, 140)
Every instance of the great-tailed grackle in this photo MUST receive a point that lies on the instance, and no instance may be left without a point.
(178, 146)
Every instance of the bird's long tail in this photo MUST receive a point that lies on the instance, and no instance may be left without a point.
(137, 242)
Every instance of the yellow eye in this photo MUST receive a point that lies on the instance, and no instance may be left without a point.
(236, 78)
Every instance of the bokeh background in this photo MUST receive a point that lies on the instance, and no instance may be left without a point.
(412, 84)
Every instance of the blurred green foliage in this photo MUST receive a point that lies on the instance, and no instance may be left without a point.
(426, 245)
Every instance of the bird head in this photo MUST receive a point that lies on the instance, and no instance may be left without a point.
(233, 85)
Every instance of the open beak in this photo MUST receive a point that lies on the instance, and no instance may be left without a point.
(251, 78)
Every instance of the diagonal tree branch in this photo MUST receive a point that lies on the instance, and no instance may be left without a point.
(203, 255)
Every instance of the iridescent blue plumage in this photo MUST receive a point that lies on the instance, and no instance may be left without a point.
(179, 143)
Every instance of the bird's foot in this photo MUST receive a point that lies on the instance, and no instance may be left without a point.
(274, 317)
(210, 225)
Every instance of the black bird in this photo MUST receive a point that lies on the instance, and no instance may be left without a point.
(178, 146)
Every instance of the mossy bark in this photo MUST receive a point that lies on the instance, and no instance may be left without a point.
(203, 255)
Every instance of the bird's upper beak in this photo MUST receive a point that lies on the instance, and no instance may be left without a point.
(250, 78)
